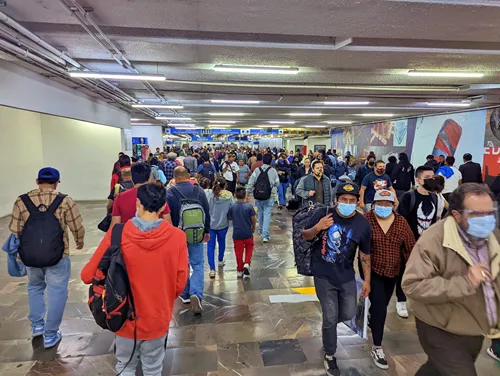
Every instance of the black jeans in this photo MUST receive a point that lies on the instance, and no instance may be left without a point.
(382, 289)
(448, 354)
(338, 303)
(399, 291)
(231, 186)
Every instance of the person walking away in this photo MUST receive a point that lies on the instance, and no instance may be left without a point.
(180, 159)
(155, 255)
(453, 282)
(169, 165)
(341, 231)
(305, 169)
(230, 172)
(391, 244)
(219, 202)
(252, 159)
(431, 162)
(471, 171)
(258, 163)
(125, 205)
(125, 163)
(403, 175)
(125, 183)
(181, 197)
(389, 167)
(243, 216)
(40, 220)
(365, 169)
(264, 190)
(283, 168)
(191, 163)
(156, 173)
(294, 173)
(315, 188)
(116, 165)
(372, 183)
(243, 173)
(452, 175)
(206, 169)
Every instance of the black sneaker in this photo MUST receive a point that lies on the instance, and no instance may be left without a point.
(196, 305)
(331, 367)
(491, 352)
(379, 358)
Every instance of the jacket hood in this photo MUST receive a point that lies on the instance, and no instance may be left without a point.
(150, 241)
(224, 196)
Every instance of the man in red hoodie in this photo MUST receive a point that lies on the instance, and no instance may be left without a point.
(156, 257)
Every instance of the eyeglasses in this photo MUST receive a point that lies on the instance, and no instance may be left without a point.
(475, 214)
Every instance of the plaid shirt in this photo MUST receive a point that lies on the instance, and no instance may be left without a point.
(169, 167)
(67, 213)
(387, 247)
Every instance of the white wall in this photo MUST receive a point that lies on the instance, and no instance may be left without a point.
(323, 140)
(153, 133)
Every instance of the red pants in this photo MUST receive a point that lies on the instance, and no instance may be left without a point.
(241, 246)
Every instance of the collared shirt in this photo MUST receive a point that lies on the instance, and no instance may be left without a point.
(169, 167)
(386, 248)
(67, 214)
(479, 254)
(318, 188)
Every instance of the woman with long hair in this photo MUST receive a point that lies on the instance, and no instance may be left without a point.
(306, 169)
(403, 176)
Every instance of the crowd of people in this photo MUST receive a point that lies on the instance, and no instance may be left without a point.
(429, 233)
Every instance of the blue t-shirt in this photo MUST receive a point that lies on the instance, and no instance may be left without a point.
(241, 213)
(375, 183)
(242, 173)
(333, 255)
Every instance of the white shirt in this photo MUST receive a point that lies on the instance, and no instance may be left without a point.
(451, 183)
(228, 175)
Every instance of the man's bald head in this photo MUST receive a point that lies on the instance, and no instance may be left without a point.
(181, 174)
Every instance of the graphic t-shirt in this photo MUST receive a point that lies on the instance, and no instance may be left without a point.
(333, 255)
(241, 213)
(422, 215)
(375, 183)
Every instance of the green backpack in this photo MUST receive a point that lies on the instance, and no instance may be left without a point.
(191, 217)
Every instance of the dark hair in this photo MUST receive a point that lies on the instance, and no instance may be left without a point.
(379, 161)
(421, 169)
(140, 173)
(259, 156)
(241, 192)
(205, 183)
(153, 161)
(152, 196)
(134, 159)
(403, 159)
(467, 157)
(450, 161)
(48, 181)
(371, 156)
(392, 159)
(442, 155)
(124, 160)
(205, 157)
(219, 184)
(458, 196)
(267, 159)
(439, 183)
(430, 156)
(316, 162)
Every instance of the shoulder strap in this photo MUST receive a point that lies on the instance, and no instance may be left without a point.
(434, 199)
(55, 204)
(116, 234)
(30, 206)
(413, 199)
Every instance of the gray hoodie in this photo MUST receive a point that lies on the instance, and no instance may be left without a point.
(219, 207)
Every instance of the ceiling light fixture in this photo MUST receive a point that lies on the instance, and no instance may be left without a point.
(172, 118)
(145, 124)
(282, 122)
(305, 114)
(377, 115)
(444, 74)
(448, 104)
(231, 101)
(255, 69)
(169, 106)
(315, 126)
(226, 113)
(339, 122)
(137, 119)
(223, 121)
(219, 126)
(268, 126)
(347, 103)
(118, 76)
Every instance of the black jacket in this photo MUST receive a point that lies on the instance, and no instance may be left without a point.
(403, 177)
(433, 164)
(302, 171)
(471, 172)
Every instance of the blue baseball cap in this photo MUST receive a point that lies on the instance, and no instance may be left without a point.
(49, 173)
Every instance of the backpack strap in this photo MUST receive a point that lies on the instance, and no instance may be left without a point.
(413, 199)
(116, 234)
(55, 204)
(30, 206)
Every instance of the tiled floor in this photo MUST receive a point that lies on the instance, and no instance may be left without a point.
(239, 334)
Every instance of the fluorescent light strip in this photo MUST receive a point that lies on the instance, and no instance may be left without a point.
(282, 122)
(230, 101)
(144, 124)
(305, 114)
(444, 74)
(255, 69)
(188, 128)
(377, 115)
(118, 76)
(181, 125)
(219, 126)
(171, 107)
(223, 121)
(137, 119)
(448, 104)
(172, 118)
(339, 122)
(315, 126)
(347, 103)
(268, 126)
(226, 113)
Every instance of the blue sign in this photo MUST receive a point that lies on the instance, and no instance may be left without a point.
(139, 140)
(201, 138)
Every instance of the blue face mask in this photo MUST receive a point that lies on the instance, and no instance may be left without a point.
(383, 211)
(346, 210)
(481, 227)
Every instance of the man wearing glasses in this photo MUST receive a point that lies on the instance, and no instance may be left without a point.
(453, 283)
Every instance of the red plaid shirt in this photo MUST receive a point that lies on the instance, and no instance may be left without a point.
(386, 248)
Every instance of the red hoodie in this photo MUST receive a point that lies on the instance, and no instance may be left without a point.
(157, 267)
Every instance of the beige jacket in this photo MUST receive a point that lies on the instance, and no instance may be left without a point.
(436, 282)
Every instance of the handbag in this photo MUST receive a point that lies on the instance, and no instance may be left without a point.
(105, 223)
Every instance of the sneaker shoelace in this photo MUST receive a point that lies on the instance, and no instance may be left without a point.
(380, 353)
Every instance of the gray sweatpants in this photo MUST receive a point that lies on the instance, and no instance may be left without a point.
(149, 353)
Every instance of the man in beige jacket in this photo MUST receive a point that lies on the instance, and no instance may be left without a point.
(453, 284)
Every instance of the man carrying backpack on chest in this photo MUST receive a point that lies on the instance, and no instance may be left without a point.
(190, 212)
(40, 219)
(263, 184)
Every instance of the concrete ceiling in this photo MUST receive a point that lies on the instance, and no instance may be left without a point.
(345, 50)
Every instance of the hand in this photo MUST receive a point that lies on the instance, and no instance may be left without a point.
(365, 289)
(361, 205)
(206, 238)
(311, 193)
(478, 273)
(253, 229)
(324, 223)
(79, 246)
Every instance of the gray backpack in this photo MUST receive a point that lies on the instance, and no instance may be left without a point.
(191, 216)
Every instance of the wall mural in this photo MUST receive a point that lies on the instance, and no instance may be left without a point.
(475, 132)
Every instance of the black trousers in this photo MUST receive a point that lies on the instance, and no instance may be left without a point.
(231, 186)
(399, 291)
(448, 354)
(382, 289)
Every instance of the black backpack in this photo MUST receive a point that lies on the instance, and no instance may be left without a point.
(207, 172)
(41, 243)
(262, 187)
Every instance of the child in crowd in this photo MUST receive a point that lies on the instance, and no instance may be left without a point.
(219, 201)
(243, 216)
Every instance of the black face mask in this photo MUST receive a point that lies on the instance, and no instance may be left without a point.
(430, 185)
(371, 164)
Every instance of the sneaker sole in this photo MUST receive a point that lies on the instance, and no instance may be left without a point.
(185, 301)
(325, 364)
(33, 335)
(492, 354)
(381, 366)
(402, 316)
(246, 271)
(52, 345)
(196, 304)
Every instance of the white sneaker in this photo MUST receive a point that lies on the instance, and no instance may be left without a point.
(222, 263)
(265, 240)
(239, 274)
(402, 310)
(491, 353)
(379, 358)
(212, 274)
(246, 271)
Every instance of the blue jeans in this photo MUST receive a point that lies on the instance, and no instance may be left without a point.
(282, 193)
(264, 209)
(220, 236)
(194, 285)
(55, 279)
(292, 183)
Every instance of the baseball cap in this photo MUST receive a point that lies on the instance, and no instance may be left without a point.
(384, 195)
(49, 173)
(346, 188)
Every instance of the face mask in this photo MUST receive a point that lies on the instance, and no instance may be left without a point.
(430, 185)
(383, 211)
(346, 209)
(371, 164)
(380, 171)
(481, 227)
